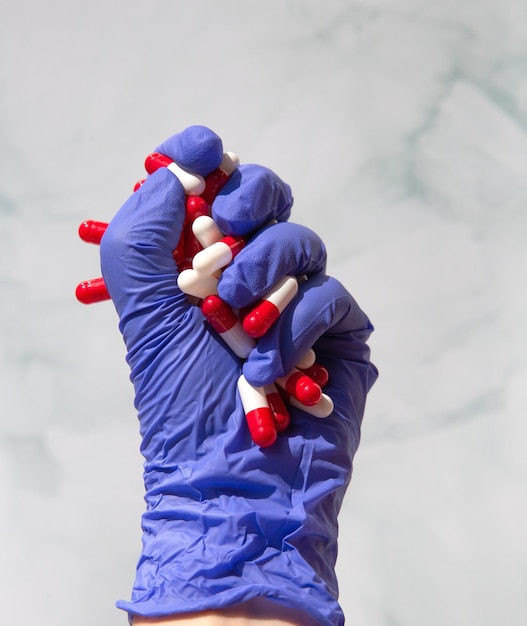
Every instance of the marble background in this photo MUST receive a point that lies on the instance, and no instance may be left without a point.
(402, 127)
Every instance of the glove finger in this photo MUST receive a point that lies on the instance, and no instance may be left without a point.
(253, 196)
(140, 272)
(322, 315)
(283, 249)
(136, 250)
(196, 149)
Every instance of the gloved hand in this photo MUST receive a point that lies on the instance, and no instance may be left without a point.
(227, 521)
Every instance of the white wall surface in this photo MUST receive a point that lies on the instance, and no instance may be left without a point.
(402, 127)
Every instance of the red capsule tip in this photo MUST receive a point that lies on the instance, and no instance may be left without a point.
(155, 161)
(318, 373)
(92, 291)
(218, 313)
(303, 388)
(260, 319)
(91, 231)
(196, 207)
(261, 426)
(213, 184)
(280, 412)
(235, 243)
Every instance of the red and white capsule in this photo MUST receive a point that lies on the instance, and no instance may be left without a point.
(218, 255)
(264, 315)
(225, 322)
(193, 184)
(301, 387)
(259, 416)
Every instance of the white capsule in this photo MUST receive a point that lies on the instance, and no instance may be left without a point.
(229, 162)
(323, 408)
(206, 230)
(197, 285)
(193, 184)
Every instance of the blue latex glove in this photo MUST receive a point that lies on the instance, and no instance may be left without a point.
(227, 521)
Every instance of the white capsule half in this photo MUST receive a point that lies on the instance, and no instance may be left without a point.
(252, 397)
(193, 184)
(198, 285)
(283, 292)
(213, 258)
(229, 162)
(306, 360)
(238, 341)
(206, 230)
(323, 408)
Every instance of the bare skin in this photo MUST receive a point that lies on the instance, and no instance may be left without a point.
(258, 611)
